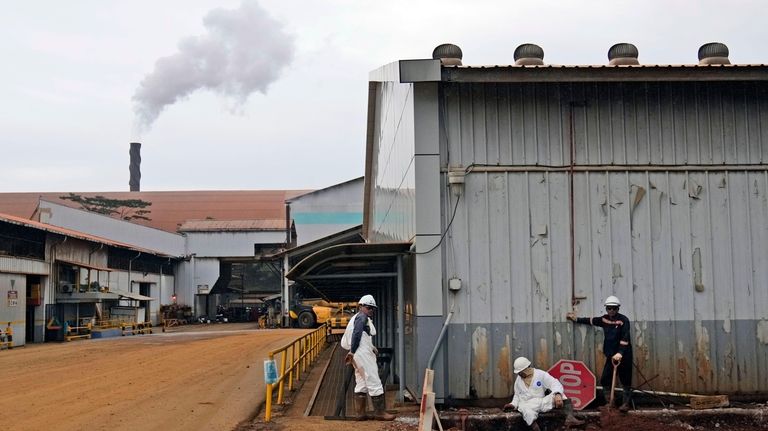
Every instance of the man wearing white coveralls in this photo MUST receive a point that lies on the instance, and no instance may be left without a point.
(530, 397)
(358, 339)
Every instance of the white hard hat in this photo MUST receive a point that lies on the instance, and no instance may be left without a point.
(368, 301)
(521, 363)
(612, 301)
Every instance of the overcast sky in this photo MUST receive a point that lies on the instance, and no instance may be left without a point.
(272, 94)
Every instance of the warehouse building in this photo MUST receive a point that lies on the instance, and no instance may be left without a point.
(530, 190)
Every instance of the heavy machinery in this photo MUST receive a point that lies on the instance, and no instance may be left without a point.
(309, 313)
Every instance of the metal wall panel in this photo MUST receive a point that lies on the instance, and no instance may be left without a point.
(393, 215)
(667, 123)
(114, 229)
(230, 244)
(327, 211)
(19, 265)
(686, 251)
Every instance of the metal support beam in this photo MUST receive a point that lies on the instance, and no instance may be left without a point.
(347, 276)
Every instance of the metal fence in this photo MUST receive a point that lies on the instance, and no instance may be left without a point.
(295, 358)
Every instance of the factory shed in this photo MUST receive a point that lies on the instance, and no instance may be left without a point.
(233, 263)
(54, 278)
(530, 190)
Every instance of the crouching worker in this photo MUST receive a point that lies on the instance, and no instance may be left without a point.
(530, 397)
(358, 339)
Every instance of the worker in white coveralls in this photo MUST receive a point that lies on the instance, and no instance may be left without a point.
(358, 339)
(531, 397)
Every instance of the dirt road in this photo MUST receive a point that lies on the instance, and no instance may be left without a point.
(203, 378)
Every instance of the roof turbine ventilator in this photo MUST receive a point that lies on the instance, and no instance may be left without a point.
(529, 54)
(713, 53)
(448, 54)
(623, 54)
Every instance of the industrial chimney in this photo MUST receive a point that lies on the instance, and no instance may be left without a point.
(135, 166)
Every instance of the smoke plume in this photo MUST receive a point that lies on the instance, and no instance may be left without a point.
(243, 51)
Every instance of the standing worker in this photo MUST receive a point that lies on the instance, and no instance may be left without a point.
(358, 339)
(617, 347)
(530, 395)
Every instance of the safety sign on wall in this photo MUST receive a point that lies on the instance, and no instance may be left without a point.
(13, 298)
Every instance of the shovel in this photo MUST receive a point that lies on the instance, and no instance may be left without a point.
(613, 380)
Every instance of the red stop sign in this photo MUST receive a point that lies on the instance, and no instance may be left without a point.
(577, 380)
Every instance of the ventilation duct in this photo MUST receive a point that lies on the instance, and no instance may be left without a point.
(623, 54)
(713, 53)
(448, 54)
(529, 54)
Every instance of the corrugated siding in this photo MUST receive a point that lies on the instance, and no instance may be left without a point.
(394, 210)
(670, 123)
(18, 265)
(687, 252)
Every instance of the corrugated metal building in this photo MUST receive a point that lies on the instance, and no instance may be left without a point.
(572, 183)
(53, 274)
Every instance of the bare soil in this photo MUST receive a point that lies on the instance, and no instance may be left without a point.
(201, 377)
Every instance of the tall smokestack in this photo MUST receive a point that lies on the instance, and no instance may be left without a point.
(135, 166)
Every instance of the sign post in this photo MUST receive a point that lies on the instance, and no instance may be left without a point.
(578, 381)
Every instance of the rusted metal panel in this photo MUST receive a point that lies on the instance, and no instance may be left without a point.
(171, 208)
(684, 251)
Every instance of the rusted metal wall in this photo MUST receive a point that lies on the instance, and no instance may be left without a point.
(685, 250)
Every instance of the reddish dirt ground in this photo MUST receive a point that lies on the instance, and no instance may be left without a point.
(195, 378)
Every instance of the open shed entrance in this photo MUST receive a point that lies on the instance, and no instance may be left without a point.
(346, 272)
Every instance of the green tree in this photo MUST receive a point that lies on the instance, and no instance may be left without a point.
(125, 209)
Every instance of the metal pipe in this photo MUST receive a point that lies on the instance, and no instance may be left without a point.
(440, 337)
(53, 277)
(612, 168)
(400, 330)
(572, 221)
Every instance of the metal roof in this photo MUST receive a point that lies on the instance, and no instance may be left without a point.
(170, 209)
(311, 192)
(347, 236)
(74, 234)
(344, 272)
(233, 225)
(592, 73)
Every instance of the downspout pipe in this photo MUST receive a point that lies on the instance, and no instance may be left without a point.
(53, 277)
(443, 330)
(130, 264)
